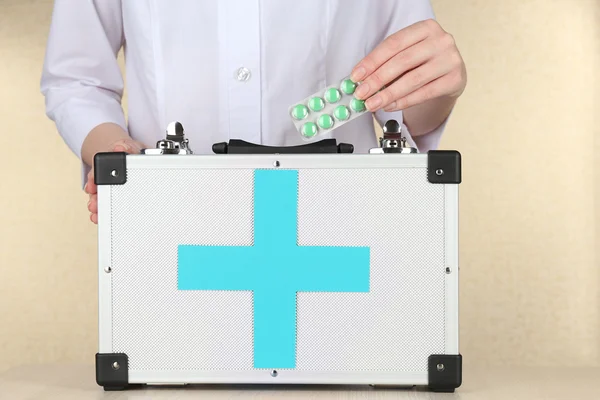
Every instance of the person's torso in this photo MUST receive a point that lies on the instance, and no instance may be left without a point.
(230, 69)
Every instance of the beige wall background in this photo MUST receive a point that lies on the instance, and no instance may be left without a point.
(528, 130)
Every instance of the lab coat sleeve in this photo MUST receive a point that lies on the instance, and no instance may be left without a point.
(406, 13)
(81, 79)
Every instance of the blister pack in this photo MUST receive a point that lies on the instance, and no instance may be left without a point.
(327, 109)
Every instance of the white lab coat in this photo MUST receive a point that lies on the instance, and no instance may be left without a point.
(183, 59)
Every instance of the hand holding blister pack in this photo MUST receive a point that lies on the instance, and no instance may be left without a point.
(327, 109)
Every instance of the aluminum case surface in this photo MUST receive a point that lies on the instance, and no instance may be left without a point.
(163, 219)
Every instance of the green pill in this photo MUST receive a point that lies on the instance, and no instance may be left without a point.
(357, 105)
(348, 86)
(325, 121)
(316, 104)
(309, 129)
(333, 95)
(341, 113)
(300, 112)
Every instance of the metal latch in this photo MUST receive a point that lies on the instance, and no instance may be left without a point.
(392, 140)
(174, 143)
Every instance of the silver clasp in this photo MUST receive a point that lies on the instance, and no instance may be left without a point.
(392, 140)
(174, 143)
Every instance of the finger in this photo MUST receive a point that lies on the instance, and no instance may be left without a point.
(94, 218)
(121, 147)
(406, 60)
(391, 46)
(409, 82)
(128, 146)
(428, 92)
(136, 147)
(93, 204)
(90, 186)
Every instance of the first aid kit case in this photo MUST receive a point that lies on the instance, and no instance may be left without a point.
(309, 264)
(327, 109)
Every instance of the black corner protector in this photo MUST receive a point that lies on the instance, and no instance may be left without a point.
(444, 372)
(444, 166)
(110, 168)
(114, 388)
(112, 371)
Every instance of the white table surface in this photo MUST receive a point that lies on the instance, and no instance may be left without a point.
(66, 382)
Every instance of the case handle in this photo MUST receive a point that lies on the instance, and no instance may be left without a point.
(325, 146)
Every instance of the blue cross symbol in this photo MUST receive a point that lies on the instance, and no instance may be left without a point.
(275, 268)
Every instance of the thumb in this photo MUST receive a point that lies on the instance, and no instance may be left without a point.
(121, 147)
(135, 147)
(128, 146)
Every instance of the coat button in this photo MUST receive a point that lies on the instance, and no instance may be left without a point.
(243, 74)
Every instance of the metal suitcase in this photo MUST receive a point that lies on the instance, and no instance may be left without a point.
(299, 265)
